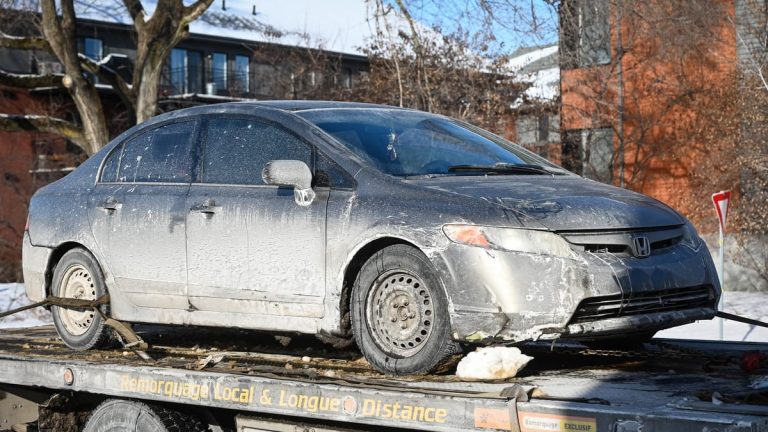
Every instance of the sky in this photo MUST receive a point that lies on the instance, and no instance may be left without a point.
(514, 24)
(347, 25)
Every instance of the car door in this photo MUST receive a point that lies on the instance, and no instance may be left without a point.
(252, 250)
(103, 205)
(147, 244)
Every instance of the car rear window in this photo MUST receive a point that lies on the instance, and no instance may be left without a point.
(109, 172)
(162, 155)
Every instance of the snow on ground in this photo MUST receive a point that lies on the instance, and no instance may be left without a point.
(12, 296)
(492, 363)
(749, 304)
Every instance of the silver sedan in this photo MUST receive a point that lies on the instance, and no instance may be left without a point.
(410, 233)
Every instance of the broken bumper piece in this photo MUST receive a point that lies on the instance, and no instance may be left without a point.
(499, 329)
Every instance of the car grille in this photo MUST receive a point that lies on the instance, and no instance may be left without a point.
(614, 306)
(623, 243)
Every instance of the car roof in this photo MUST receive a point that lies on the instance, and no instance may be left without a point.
(282, 105)
(302, 105)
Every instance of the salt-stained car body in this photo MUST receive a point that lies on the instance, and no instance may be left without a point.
(409, 231)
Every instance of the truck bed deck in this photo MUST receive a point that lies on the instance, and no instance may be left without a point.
(665, 386)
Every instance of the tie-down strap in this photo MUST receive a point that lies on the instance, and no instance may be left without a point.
(129, 338)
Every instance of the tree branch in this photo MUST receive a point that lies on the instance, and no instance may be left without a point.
(136, 9)
(193, 11)
(17, 42)
(52, 29)
(33, 123)
(29, 81)
(108, 75)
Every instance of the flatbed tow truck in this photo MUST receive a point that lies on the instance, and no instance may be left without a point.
(246, 381)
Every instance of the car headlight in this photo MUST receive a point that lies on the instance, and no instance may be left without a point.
(690, 236)
(509, 239)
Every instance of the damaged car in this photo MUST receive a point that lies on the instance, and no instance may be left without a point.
(411, 233)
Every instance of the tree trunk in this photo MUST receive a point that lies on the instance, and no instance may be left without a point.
(150, 75)
(168, 25)
(60, 33)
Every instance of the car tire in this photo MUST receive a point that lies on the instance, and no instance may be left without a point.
(78, 275)
(400, 317)
(117, 415)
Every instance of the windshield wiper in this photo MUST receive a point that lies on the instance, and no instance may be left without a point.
(503, 168)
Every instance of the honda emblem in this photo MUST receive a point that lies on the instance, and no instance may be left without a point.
(642, 246)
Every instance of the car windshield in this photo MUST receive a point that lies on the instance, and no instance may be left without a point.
(410, 143)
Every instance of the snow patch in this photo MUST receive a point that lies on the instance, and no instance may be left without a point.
(759, 382)
(488, 363)
(12, 295)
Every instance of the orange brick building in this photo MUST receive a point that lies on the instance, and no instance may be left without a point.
(641, 83)
(27, 162)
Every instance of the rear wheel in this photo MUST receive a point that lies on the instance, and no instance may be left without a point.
(118, 415)
(400, 313)
(78, 276)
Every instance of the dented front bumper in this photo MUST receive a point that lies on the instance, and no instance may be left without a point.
(499, 296)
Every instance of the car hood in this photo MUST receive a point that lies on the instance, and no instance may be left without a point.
(562, 203)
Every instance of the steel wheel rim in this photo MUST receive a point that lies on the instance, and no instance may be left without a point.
(400, 313)
(77, 283)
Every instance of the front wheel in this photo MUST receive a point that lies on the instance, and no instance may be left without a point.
(400, 313)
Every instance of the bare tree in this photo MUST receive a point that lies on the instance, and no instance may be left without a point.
(156, 35)
(649, 72)
(457, 74)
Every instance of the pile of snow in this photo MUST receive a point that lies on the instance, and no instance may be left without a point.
(12, 296)
(489, 363)
(758, 383)
(748, 304)
(545, 81)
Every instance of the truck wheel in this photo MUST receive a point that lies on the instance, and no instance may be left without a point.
(400, 313)
(116, 415)
(78, 275)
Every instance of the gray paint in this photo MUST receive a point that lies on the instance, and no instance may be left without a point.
(262, 261)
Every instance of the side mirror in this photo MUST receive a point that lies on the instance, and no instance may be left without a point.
(291, 173)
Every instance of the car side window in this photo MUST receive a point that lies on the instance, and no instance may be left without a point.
(328, 174)
(109, 171)
(161, 155)
(237, 149)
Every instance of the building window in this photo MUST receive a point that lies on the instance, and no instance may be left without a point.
(242, 74)
(526, 130)
(585, 33)
(543, 121)
(537, 130)
(265, 82)
(219, 71)
(597, 154)
(93, 48)
(346, 78)
(186, 70)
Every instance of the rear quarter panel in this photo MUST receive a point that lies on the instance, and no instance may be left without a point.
(59, 212)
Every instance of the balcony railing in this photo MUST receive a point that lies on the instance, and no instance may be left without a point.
(262, 81)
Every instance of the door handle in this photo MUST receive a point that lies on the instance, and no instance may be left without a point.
(110, 205)
(208, 208)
